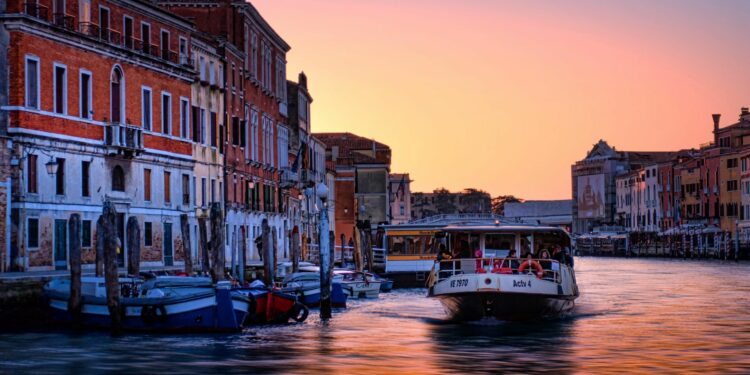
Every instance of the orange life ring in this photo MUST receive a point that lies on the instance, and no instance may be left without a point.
(532, 263)
(498, 266)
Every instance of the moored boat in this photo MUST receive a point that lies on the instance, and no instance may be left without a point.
(306, 285)
(158, 304)
(272, 306)
(357, 284)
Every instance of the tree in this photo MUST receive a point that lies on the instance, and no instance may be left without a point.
(498, 203)
(444, 201)
(476, 201)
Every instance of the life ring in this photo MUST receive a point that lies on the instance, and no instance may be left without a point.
(532, 263)
(153, 313)
(299, 312)
(498, 266)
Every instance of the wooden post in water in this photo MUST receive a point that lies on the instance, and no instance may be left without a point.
(99, 247)
(295, 251)
(274, 246)
(186, 244)
(74, 235)
(217, 243)
(368, 248)
(324, 248)
(357, 251)
(267, 256)
(202, 233)
(111, 276)
(243, 254)
(134, 246)
(343, 250)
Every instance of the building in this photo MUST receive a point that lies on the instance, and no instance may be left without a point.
(400, 198)
(444, 202)
(595, 188)
(557, 213)
(96, 111)
(362, 168)
(6, 192)
(255, 90)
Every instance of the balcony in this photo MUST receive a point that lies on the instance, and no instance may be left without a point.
(289, 178)
(64, 21)
(36, 11)
(121, 139)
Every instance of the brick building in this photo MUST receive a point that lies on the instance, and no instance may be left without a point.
(97, 92)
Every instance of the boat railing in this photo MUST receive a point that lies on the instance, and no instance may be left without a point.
(548, 269)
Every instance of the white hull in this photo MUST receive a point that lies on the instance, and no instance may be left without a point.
(359, 289)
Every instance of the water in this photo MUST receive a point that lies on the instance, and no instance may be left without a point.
(634, 315)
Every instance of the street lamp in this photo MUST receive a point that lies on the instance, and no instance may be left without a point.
(51, 166)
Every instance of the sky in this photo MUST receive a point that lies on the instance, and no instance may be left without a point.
(505, 96)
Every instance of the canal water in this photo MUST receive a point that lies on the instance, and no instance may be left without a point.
(634, 315)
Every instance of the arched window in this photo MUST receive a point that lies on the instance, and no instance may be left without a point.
(116, 88)
(118, 179)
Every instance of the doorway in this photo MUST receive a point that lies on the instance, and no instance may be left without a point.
(61, 245)
(168, 253)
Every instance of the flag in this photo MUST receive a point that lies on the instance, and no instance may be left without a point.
(295, 165)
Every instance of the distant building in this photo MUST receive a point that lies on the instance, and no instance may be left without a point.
(442, 201)
(550, 212)
(400, 198)
(362, 169)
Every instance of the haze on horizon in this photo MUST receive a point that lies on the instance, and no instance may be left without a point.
(505, 96)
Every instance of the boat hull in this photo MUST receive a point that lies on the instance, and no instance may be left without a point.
(504, 306)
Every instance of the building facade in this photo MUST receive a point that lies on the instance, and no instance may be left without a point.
(97, 112)
(444, 202)
(400, 198)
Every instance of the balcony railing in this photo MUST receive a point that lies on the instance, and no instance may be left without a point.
(63, 20)
(89, 29)
(121, 138)
(36, 10)
(289, 178)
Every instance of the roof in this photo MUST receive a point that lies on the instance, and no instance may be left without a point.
(539, 208)
(354, 149)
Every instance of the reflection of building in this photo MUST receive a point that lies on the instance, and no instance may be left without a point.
(444, 202)
(594, 188)
(553, 212)
(400, 198)
(362, 168)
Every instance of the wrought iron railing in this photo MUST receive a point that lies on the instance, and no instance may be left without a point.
(63, 20)
(36, 10)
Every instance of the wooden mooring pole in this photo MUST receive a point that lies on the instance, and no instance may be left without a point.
(217, 243)
(267, 253)
(111, 276)
(99, 247)
(186, 244)
(295, 251)
(357, 251)
(324, 242)
(202, 233)
(134, 246)
(74, 303)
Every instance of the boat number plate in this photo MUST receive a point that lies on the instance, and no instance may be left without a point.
(459, 283)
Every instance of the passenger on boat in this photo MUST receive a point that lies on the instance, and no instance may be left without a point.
(444, 254)
(545, 262)
(558, 255)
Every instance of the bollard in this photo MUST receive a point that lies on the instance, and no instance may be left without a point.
(217, 243)
(134, 246)
(74, 302)
(111, 277)
(185, 228)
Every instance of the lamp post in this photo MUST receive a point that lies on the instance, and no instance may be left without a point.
(325, 254)
(51, 166)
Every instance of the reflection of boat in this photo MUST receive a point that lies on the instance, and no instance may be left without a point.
(272, 306)
(357, 284)
(159, 304)
(306, 285)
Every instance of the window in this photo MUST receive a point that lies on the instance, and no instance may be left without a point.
(254, 134)
(731, 185)
(183, 51)
(118, 178)
(166, 113)
(203, 126)
(60, 177)
(128, 31)
(86, 233)
(85, 166)
(116, 96)
(213, 129)
(147, 234)
(732, 163)
(104, 23)
(146, 37)
(165, 44)
(185, 189)
(203, 192)
(32, 82)
(31, 176)
(254, 54)
(280, 79)
(283, 141)
(211, 73)
(147, 185)
(234, 75)
(184, 120)
(32, 233)
(213, 190)
(235, 131)
(167, 187)
(146, 108)
(202, 68)
(61, 89)
(85, 97)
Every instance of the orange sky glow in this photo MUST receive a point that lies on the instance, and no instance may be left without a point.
(504, 96)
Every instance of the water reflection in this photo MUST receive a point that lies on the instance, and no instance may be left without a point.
(633, 316)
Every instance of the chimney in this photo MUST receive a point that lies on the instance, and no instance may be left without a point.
(302, 80)
(716, 117)
(744, 113)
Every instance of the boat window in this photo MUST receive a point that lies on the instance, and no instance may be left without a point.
(463, 245)
(499, 245)
(526, 239)
(411, 245)
(549, 240)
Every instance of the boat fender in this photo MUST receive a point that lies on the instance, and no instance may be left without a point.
(299, 312)
(153, 313)
(532, 263)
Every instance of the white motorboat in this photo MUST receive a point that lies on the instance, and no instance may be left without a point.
(357, 284)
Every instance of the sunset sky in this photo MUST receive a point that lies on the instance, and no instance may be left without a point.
(505, 96)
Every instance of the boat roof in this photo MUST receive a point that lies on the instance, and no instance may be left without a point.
(467, 223)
